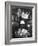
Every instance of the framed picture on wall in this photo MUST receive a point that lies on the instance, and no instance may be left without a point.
(20, 22)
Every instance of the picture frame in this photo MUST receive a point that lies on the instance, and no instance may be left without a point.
(9, 21)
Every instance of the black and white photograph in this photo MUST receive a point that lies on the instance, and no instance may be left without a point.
(20, 22)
